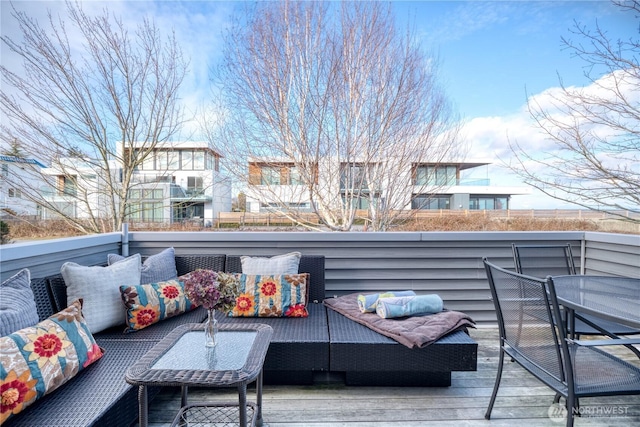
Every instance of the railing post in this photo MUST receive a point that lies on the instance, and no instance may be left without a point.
(125, 240)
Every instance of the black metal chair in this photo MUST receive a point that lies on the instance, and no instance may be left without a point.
(573, 369)
(557, 260)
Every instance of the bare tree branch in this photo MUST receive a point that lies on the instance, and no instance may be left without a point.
(88, 89)
(594, 131)
(334, 92)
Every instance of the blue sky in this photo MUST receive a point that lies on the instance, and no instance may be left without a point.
(492, 54)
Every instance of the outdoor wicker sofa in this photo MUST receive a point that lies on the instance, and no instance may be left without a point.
(99, 395)
(302, 350)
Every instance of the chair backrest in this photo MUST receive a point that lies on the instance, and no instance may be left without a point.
(543, 260)
(524, 310)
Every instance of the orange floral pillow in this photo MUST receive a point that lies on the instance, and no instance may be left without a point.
(149, 304)
(284, 295)
(36, 360)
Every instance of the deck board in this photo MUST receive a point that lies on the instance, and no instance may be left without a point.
(522, 400)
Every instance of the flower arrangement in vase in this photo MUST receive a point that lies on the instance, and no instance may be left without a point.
(214, 291)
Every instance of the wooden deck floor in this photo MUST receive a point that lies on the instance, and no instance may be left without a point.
(522, 401)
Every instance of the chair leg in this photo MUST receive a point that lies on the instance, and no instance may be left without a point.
(571, 402)
(487, 414)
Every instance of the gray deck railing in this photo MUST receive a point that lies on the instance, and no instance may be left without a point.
(447, 263)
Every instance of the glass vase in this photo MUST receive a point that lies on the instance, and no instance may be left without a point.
(210, 329)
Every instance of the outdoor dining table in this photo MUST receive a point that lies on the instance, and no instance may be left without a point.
(616, 299)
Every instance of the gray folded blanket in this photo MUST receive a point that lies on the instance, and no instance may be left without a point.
(413, 331)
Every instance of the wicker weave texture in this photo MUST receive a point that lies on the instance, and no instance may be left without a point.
(188, 263)
(355, 347)
(297, 344)
(42, 298)
(95, 396)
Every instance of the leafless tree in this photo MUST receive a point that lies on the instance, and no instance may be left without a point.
(88, 90)
(594, 156)
(330, 105)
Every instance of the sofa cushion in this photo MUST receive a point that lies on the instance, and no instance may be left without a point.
(151, 303)
(272, 296)
(17, 303)
(38, 359)
(279, 264)
(99, 287)
(157, 268)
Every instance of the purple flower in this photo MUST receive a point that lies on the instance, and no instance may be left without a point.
(212, 290)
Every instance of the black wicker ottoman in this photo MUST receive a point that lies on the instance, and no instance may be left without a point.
(368, 358)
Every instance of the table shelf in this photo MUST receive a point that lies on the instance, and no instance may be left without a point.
(214, 414)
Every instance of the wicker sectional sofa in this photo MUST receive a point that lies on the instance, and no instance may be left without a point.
(302, 350)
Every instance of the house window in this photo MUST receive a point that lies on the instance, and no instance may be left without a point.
(194, 186)
(270, 175)
(67, 186)
(186, 160)
(198, 160)
(488, 203)
(174, 160)
(148, 164)
(354, 177)
(436, 175)
(15, 193)
(162, 160)
(5, 170)
(294, 176)
(431, 202)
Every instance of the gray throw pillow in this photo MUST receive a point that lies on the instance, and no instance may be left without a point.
(99, 289)
(17, 304)
(157, 268)
(276, 265)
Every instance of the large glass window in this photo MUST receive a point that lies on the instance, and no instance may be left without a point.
(186, 160)
(198, 160)
(67, 186)
(182, 211)
(148, 164)
(436, 175)
(270, 175)
(162, 160)
(431, 202)
(194, 185)
(294, 176)
(488, 202)
(174, 160)
(353, 177)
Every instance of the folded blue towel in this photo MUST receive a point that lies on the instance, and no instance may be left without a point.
(388, 308)
(367, 303)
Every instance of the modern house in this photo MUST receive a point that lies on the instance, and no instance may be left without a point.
(180, 181)
(432, 186)
(14, 171)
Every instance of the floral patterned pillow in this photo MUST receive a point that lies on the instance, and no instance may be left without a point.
(36, 360)
(149, 304)
(272, 296)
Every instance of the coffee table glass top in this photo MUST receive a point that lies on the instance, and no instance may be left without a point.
(189, 352)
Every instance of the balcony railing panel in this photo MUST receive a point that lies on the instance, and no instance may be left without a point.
(447, 263)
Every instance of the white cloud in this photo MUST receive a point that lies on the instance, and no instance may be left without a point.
(489, 137)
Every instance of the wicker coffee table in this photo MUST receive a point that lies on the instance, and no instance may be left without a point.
(181, 359)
